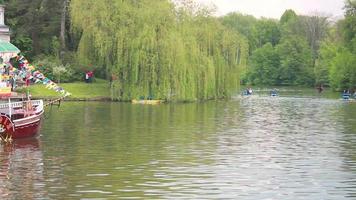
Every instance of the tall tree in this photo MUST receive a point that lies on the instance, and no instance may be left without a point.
(315, 29)
(156, 48)
(267, 31)
(244, 24)
(35, 24)
(265, 66)
(349, 24)
(296, 62)
(288, 17)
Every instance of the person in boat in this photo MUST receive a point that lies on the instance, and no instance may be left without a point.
(274, 92)
(320, 88)
(346, 94)
(249, 91)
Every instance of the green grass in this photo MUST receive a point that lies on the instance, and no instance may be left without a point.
(79, 90)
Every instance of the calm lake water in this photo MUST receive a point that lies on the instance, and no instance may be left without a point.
(254, 148)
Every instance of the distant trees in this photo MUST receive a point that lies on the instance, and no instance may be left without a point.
(338, 52)
(264, 66)
(296, 62)
(282, 55)
(300, 50)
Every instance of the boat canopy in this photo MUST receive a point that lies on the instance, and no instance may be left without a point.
(7, 47)
(7, 50)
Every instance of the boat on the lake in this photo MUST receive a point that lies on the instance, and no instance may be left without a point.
(274, 93)
(346, 95)
(146, 101)
(20, 116)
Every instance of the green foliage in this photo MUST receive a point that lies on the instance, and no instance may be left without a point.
(296, 62)
(55, 47)
(289, 16)
(24, 43)
(244, 24)
(155, 48)
(264, 66)
(327, 53)
(179, 51)
(267, 31)
(52, 68)
(258, 32)
(36, 19)
(338, 52)
(343, 70)
(36, 24)
(315, 29)
(349, 23)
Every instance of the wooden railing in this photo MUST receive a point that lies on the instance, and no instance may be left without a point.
(19, 104)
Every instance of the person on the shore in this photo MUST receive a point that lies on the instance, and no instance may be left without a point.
(87, 77)
(90, 76)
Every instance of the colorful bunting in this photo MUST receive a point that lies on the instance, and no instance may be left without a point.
(29, 71)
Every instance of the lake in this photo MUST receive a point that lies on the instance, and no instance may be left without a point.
(255, 147)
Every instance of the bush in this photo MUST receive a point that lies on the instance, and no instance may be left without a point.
(53, 69)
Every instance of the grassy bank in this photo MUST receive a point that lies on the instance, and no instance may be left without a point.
(98, 90)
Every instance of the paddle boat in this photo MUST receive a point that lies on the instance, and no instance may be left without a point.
(346, 96)
(20, 116)
(247, 92)
(274, 93)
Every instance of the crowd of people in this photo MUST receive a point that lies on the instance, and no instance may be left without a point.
(11, 75)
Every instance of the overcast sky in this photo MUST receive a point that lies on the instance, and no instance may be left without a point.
(275, 8)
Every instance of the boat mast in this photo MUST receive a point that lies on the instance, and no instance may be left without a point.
(10, 108)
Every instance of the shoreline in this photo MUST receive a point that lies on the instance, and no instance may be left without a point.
(103, 99)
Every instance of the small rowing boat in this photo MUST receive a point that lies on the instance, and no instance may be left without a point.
(150, 102)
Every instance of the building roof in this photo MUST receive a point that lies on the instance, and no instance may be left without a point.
(8, 47)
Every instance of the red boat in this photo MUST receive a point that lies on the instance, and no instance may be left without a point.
(20, 118)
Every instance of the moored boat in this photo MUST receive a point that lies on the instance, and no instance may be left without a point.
(20, 118)
(144, 101)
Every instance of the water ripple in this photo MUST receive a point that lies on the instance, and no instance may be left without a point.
(248, 148)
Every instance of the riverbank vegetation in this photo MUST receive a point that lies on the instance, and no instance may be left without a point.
(181, 51)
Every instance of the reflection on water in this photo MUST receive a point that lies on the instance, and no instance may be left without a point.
(248, 148)
(21, 170)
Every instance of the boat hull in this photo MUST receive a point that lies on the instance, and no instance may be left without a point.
(28, 130)
(20, 128)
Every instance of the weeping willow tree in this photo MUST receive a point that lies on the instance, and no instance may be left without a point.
(160, 49)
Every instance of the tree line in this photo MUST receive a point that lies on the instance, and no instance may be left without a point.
(300, 50)
(178, 50)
